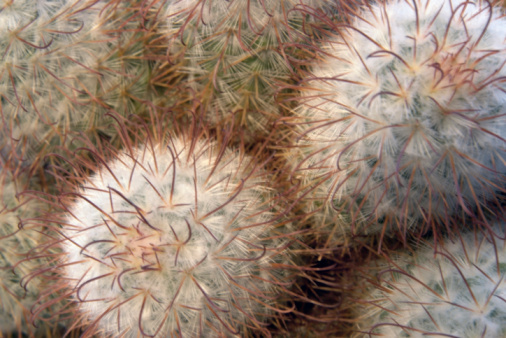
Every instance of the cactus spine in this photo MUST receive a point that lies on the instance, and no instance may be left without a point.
(405, 127)
(63, 65)
(458, 290)
(174, 240)
(234, 56)
(19, 238)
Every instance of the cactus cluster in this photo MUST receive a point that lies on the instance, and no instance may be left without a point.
(174, 240)
(403, 122)
(220, 168)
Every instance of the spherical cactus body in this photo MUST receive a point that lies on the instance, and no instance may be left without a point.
(403, 122)
(455, 291)
(174, 240)
(234, 55)
(63, 66)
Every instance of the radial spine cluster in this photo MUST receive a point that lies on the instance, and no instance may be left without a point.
(404, 119)
(234, 55)
(63, 65)
(17, 239)
(457, 291)
(174, 241)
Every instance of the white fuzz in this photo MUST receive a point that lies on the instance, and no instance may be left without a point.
(405, 121)
(173, 241)
(458, 292)
(234, 54)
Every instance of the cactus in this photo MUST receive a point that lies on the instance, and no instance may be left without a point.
(18, 239)
(63, 65)
(404, 126)
(400, 130)
(174, 240)
(234, 55)
(458, 290)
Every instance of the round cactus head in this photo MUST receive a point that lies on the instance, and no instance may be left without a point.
(63, 65)
(174, 239)
(456, 290)
(404, 124)
(235, 56)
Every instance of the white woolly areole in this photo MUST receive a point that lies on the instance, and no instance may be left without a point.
(407, 115)
(459, 292)
(172, 241)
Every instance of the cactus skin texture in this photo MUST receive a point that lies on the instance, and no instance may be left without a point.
(174, 240)
(17, 239)
(458, 290)
(234, 55)
(63, 65)
(404, 126)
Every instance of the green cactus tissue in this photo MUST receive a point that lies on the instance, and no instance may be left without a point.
(234, 55)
